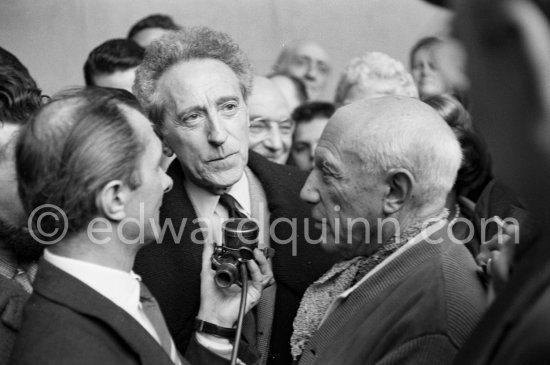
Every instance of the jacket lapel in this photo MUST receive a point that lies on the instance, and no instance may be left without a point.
(66, 290)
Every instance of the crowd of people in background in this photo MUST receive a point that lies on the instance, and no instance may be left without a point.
(406, 230)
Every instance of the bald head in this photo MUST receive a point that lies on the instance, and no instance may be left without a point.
(388, 113)
(398, 132)
(265, 91)
(270, 125)
(307, 61)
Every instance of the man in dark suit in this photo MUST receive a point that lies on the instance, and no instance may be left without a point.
(194, 84)
(90, 175)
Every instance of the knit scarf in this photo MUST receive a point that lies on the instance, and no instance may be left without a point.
(342, 276)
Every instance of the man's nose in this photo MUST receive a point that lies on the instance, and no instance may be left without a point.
(312, 152)
(217, 134)
(273, 139)
(309, 193)
(312, 72)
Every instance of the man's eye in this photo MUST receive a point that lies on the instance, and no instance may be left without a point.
(191, 117)
(229, 108)
(324, 69)
(286, 128)
(257, 127)
(300, 148)
(301, 61)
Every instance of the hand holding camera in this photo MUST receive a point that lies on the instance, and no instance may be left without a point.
(220, 276)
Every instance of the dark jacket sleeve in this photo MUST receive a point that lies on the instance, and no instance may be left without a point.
(198, 355)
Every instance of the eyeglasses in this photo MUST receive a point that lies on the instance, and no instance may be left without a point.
(260, 127)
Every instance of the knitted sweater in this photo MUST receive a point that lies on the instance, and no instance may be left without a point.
(418, 309)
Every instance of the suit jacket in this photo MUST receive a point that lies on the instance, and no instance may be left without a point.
(67, 322)
(12, 300)
(417, 309)
(172, 269)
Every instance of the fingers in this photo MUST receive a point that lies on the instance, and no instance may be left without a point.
(260, 259)
(260, 270)
(497, 242)
(255, 272)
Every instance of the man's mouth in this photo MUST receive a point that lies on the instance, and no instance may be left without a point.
(221, 158)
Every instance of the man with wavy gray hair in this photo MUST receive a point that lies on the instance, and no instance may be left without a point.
(405, 292)
(371, 75)
(194, 85)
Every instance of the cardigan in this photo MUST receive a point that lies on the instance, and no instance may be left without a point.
(419, 308)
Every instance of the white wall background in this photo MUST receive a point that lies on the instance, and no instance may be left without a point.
(54, 37)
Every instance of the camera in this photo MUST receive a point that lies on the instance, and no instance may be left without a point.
(240, 238)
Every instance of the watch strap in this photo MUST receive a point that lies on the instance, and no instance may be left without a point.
(213, 329)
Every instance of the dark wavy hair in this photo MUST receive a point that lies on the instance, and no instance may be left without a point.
(19, 96)
(476, 168)
(71, 148)
(111, 56)
(153, 21)
(313, 109)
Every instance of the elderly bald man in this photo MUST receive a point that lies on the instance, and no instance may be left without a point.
(405, 292)
(271, 127)
(307, 61)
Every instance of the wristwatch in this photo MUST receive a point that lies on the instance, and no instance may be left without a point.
(212, 329)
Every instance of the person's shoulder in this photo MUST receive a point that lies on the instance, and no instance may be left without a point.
(262, 166)
(53, 333)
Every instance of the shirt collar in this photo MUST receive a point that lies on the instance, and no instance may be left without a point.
(121, 287)
(205, 202)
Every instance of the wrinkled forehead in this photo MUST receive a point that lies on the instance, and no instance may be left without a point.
(197, 76)
(312, 51)
(267, 100)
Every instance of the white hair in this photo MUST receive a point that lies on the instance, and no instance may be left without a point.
(377, 74)
(419, 142)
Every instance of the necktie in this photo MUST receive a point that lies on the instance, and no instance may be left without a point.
(24, 278)
(249, 325)
(229, 203)
(152, 311)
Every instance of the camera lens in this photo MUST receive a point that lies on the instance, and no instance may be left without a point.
(226, 275)
(246, 254)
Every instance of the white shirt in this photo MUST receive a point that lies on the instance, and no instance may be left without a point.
(211, 214)
(120, 287)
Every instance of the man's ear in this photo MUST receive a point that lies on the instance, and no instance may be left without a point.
(112, 200)
(400, 184)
